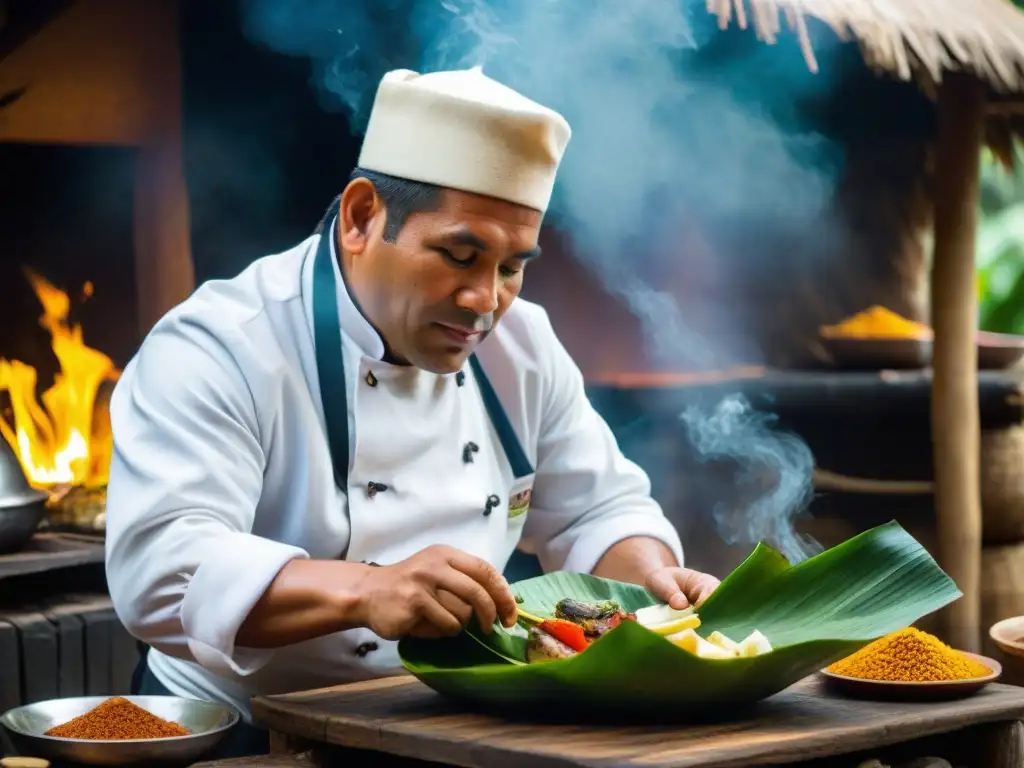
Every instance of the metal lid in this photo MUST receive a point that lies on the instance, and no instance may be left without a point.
(14, 488)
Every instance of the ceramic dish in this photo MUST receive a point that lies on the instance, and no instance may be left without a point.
(997, 351)
(878, 354)
(1008, 635)
(906, 691)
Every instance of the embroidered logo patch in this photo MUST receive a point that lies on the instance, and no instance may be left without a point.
(519, 503)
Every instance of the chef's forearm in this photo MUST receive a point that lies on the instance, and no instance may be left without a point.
(306, 600)
(633, 559)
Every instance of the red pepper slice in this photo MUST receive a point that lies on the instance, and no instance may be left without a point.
(567, 632)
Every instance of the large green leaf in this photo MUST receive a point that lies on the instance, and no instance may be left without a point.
(813, 614)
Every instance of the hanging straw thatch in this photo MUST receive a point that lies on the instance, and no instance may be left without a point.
(909, 38)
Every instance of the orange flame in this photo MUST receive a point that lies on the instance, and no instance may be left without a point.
(65, 440)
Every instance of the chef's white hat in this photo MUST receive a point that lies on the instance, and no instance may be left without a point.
(465, 131)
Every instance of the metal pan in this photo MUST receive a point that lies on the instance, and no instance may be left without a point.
(21, 507)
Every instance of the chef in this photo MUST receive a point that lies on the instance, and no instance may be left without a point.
(344, 444)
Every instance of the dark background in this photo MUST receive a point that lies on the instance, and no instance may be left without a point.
(262, 162)
(263, 159)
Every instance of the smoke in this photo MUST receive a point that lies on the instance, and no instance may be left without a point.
(773, 473)
(660, 128)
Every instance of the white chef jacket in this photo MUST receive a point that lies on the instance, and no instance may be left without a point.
(221, 474)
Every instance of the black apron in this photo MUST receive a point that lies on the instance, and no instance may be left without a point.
(330, 369)
(247, 740)
(330, 366)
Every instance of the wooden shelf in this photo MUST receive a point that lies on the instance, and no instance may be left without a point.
(52, 551)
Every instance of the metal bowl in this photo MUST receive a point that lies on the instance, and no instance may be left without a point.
(21, 507)
(208, 722)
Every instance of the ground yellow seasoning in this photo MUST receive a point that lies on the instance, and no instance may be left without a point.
(877, 323)
(909, 655)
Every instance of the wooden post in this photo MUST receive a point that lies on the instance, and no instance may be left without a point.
(954, 409)
(1001, 745)
(164, 274)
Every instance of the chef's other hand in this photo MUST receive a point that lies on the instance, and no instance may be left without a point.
(433, 594)
(681, 587)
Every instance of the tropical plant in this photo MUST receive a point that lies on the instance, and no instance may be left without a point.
(1000, 249)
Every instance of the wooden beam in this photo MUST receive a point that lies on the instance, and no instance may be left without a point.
(956, 432)
(164, 274)
(1005, 108)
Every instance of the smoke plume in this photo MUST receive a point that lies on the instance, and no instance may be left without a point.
(659, 126)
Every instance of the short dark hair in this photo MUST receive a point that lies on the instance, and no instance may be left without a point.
(401, 197)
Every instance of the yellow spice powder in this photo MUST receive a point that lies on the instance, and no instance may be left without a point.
(878, 323)
(909, 655)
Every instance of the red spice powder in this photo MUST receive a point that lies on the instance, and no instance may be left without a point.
(117, 719)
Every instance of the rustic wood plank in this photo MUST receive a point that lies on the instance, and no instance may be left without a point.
(402, 717)
(10, 667)
(51, 551)
(124, 656)
(37, 641)
(109, 653)
(306, 715)
(70, 646)
(1001, 745)
(10, 676)
(278, 761)
(97, 649)
(284, 744)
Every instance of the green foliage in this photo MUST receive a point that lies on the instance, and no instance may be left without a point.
(1000, 250)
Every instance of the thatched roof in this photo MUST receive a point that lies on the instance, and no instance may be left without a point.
(909, 38)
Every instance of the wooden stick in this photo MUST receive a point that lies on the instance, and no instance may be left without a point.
(956, 431)
(825, 480)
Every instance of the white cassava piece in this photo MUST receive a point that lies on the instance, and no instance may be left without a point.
(463, 130)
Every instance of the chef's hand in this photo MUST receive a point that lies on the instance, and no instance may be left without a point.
(433, 594)
(681, 587)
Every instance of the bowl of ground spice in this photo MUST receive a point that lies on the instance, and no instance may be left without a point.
(878, 338)
(911, 664)
(119, 730)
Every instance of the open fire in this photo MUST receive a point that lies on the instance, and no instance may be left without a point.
(63, 439)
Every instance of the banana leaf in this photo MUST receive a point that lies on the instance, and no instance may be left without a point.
(813, 614)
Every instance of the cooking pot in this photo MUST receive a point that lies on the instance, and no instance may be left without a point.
(21, 506)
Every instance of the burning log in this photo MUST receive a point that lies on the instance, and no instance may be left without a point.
(77, 508)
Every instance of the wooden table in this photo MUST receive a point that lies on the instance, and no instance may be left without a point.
(401, 722)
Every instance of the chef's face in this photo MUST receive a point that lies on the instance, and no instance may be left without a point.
(442, 285)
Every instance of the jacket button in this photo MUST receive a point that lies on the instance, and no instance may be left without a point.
(365, 648)
(460, 378)
(492, 502)
(371, 379)
(372, 488)
(467, 452)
